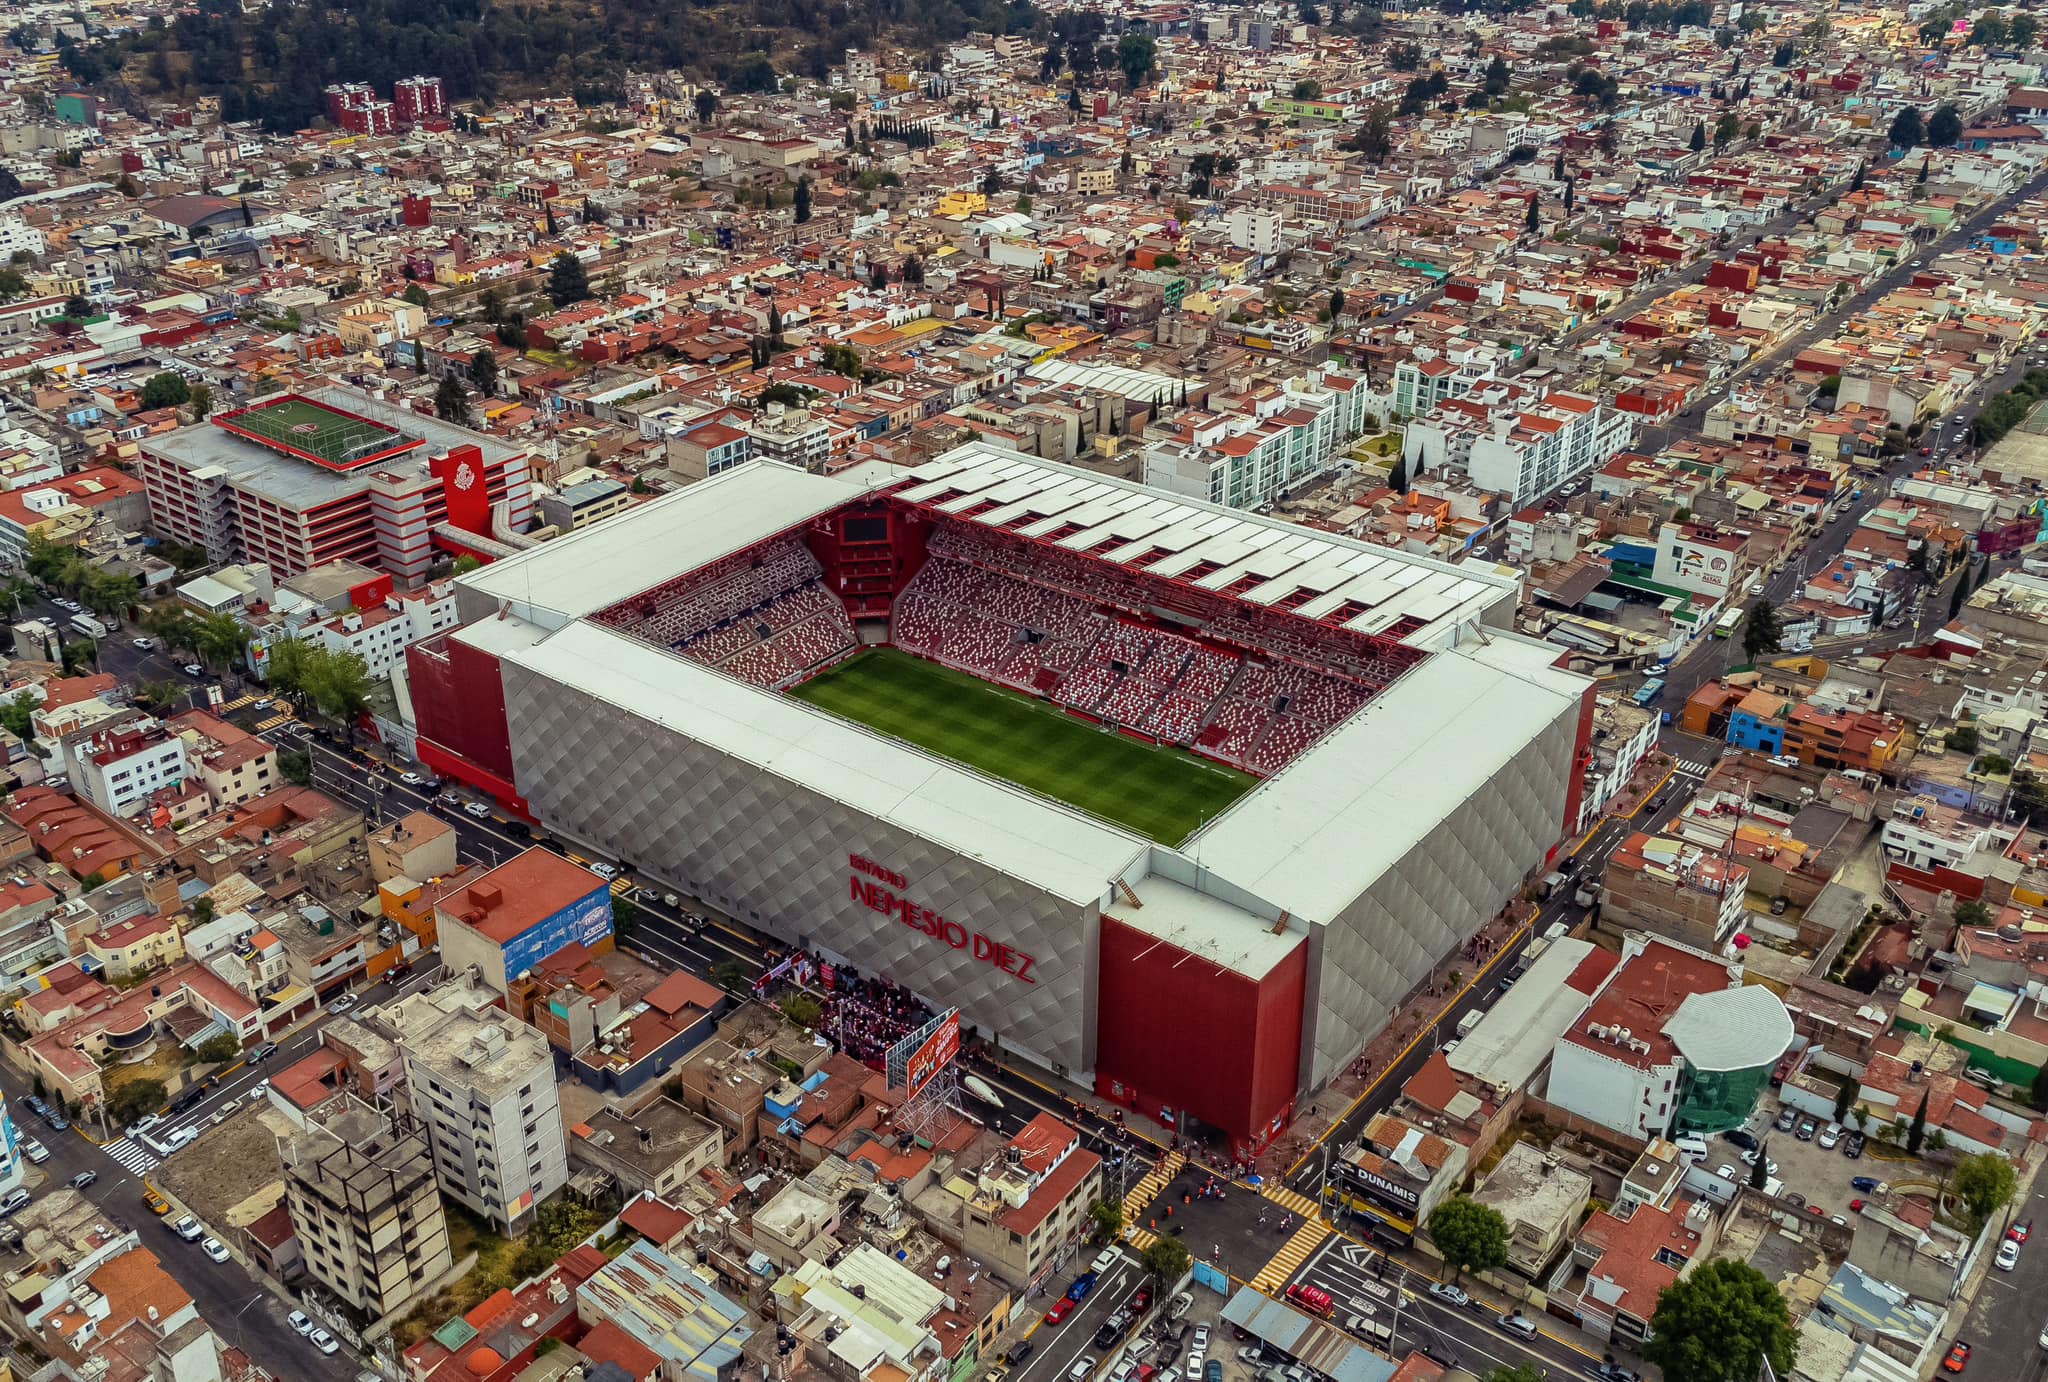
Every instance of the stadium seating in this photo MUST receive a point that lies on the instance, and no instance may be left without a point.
(1077, 630)
(763, 616)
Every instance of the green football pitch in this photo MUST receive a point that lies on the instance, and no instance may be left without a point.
(335, 437)
(1162, 793)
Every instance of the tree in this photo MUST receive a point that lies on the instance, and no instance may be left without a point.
(567, 281)
(200, 401)
(1520, 1372)
(165, 390)
(219, 640)
(1533, 222)
(1699, 135)
(296, 767)
(1989, 31)
(1167, 1259)
(78, 307)
(337, 682)
(1908, 130)
(483, 371)
(803, 200)
(788, 395)
(218, 1049)
(1108, 1218)
(1375, 134)
(2021, 31)
(1134, 54)
(799, 1007)
(136, 1099)
(1498, 76)
(1784, 54)
(991, 181)
(451, 400)
(1845, 1097)
(706, 102)
(469, 561)
(201, 910)
(415, 295)
(1945, 127)
(1471, 1236)
(1917, 1133)
(1763, 634)
(1336, 303)
(1719, 1324)
(1985, 1184)
(2037, 1092)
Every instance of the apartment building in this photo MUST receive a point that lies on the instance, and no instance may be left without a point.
(380, 634)
(1031, 1204)
(1673, 888)
(363, 1199)
(794, 436)
(1256, 445)
(118, 765)
(1426, 380)
(1516, 443)
(585, 503)
(481, 1085)
(233, 765)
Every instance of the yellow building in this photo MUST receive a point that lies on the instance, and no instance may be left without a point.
(137, 947)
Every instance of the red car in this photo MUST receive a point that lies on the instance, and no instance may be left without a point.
(2020, 1232)
(1855, 1206)
(1957, 1357)
(1061, 1308)
(1140, 1301)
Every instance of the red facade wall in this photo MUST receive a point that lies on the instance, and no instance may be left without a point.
(460, 703)
(1177, 1032)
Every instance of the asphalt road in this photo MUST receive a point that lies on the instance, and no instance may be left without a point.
(1056, 1348)
(2004, 1325)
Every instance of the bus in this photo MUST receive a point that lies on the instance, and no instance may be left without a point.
(89, 626)
(1647, 693)
(1728, 621)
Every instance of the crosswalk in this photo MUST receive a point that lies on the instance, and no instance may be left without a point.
(1293, 1201)
(273, 722)
(1143, 1193)
(1689, 768)
(132, 1154)
(237, 703)
(1292, 1254)
(621, 886)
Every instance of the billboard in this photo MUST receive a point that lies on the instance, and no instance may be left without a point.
(588, 919)
(924, 1053)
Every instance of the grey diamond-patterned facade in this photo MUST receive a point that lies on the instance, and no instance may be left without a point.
(1417, 757)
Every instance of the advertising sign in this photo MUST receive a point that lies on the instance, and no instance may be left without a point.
(924, 1053)
(587, 920)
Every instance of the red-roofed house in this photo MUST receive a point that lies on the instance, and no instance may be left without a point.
(521, 912)
(1029, 1207)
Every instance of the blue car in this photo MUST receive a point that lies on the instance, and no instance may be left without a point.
(1083, 1284)
(1864, 1183)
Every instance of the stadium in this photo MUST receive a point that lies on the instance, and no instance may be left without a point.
(1171, 798)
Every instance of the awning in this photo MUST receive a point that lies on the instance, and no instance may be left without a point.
(1992, 1000)
(207, 1033)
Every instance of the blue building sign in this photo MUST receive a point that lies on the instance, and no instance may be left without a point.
(588, 919)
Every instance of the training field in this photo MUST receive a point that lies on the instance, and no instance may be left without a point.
(316, 432)
(1162, 793)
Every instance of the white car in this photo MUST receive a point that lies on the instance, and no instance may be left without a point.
(189, 1229)
(34, 1150)
(193, 669)
(300, 1323)
(325, 1342)
(215, 1249)
(2008, 1256)
(1829, 1136)
(477, 809)
(411, 779)
(145, 644)
(1082, 1367)
(259, 1089)
(1202, 1337)
(1518, 1323)
(605, 871)
(1443, 1290)
(183, 1137)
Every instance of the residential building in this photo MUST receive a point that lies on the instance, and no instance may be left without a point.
(1649, 1239)
(13, 1165)
(416, 847)
(707, 449)
(524, 910)
(793, 436)
(136, 947)
(585, 503)
(1673, 888)
(481, 1085)
(1542, 1198)
(656, 1151)
(64, 510)
(381, 633)
(866, 1317)
(1028, 1208)
(693, 1333)
(232, 764)
(1516, 443)
(118, 765)
(1256, 444)
(363, 1199)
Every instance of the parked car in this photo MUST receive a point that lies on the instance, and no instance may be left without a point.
(1852, 1146)
(215, 1249)
(57, 1122)
(1061, 1308)
(300, 1322)
(604, 870)
(2021, 1232)
(34, 1150)
(189, 1229)
(1807, 1128)
(1867, 1184)
(477, 809)
(83, 1179)
(15, 1201)
(1786, 1118)
(182, 1138)
(1958, 1357)
(1743, 1138)
(263, 1052)
(1212, 1371)
(156, 1203)
(1083, 1284)
(1829, 1136)
(144, 644)
(1082, 1367)
(193, 669)
(1518, 1324)
(1443, 1290)
(325, 1342)
(1611, 1371)
(2008, 1256)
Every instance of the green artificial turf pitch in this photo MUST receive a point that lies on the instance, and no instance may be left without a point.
(1162, 793)
(334, 436)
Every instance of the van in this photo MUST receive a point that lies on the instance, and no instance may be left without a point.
(1692, 1147)
(14, 1201)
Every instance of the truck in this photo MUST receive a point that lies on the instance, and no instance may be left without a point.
(1469, 1021)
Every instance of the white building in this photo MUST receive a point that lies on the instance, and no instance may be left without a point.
(380, 635)
(482, 1086)
(1255, 228)
(1623, 735)
(17, 236)
(1516, 443)
(1257, 445)
(1925, 834)
(119, 765)
(790, 435)
(12, 1164)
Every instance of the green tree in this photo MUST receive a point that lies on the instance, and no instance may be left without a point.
(799, 1007)
(1759, 1174)
(337, 682)
(729, 975)
(218, 1049)
(1471, 1236)
(15, 715)
(803, 200)
(1762, 632)
(2037, 1092)
(296, 767)
(2023, 28)
(415, 295)
(466, 563)
(451, 400)
(567, 280)
(1520, 1372)
(1945, 127)
(1167, 1259)
(219, 639)
(1108, 1217)
(1908, 131)
(200, 401)
(1917, 1132)
(1985, 1184)
(1336, 303)
(136, 1099)
(78, 307)
(165, 390)
(1845, 1097)
(1699, 136)
(1134, 54)
(483, 371)
(1989, 31)
(1720, 1324)
(201, 910)
(706, 103)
